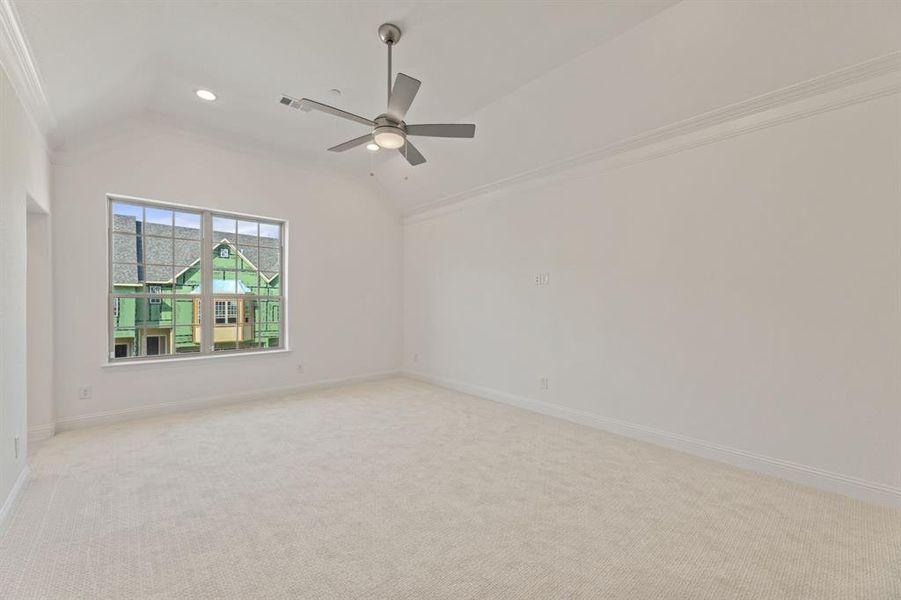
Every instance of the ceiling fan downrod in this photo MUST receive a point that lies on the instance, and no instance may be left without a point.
(389, 33)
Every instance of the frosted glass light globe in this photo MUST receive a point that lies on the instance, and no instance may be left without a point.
(390, 138)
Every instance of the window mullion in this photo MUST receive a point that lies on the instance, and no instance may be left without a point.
(206, 287)
(283, 290)
(110, 324)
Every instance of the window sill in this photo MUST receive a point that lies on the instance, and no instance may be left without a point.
(184, 359)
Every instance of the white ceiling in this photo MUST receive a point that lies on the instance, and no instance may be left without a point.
(105, 61)
(543, 81)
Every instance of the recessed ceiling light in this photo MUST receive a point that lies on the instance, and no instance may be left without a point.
(206, 95)
(372, 146)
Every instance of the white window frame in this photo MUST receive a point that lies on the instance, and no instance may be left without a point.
(216, 305)
(155, 289)
(207, 297)
(229, 311)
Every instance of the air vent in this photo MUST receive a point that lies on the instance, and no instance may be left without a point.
(288, 101)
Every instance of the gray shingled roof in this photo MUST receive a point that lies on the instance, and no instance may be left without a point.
(160, 254)
(265, 258)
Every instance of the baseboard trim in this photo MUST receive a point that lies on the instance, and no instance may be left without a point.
(869, 491)
(41, 432)
(13, 494)
(128, 414)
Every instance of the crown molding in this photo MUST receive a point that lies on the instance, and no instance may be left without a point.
(16, 59)
(862, 82)
(116, 133)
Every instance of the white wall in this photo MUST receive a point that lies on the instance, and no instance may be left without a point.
(744, 294)
(684, 61)
(344, 270)
(39, 324)
(24, 174)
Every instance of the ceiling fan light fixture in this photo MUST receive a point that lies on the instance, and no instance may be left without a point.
(390, 138)
(372, 146)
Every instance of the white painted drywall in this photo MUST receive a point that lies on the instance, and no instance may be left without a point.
(24, 174)
(744, 293)
(344, 268)
(688, 59)
(39, 324)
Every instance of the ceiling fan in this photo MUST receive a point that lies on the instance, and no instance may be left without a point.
(388, 130)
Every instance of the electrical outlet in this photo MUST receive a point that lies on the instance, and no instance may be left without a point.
(543, 383)
(416, 358)
(84, 392)
(300, 368)
(542, 279)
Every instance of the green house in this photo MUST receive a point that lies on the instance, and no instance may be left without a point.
(245, 286)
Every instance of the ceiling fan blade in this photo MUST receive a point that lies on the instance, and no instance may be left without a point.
(405, 88)
(352, 143)
(413, 156)
(307, 105)
(443, 130)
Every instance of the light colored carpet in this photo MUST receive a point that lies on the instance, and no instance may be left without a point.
(397, 489)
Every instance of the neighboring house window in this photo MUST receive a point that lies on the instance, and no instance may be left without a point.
(220, 312)
(171, 265)
(226, 312)
(156, 345)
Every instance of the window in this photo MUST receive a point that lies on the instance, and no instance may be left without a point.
(155, 345)
(186, 280)
(226, 312)
(155, 289)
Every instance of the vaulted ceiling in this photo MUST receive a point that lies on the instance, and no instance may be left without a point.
(543, 81)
